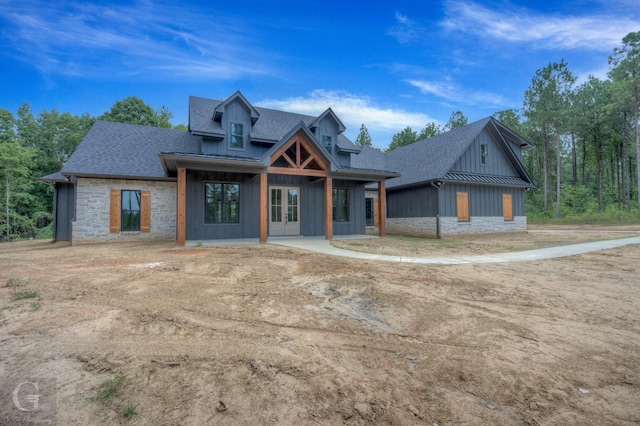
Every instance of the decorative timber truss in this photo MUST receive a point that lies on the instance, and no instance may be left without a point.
(297, 157)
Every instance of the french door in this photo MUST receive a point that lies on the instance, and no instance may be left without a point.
(284, 210)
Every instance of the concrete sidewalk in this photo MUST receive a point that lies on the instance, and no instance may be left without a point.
(320, 245)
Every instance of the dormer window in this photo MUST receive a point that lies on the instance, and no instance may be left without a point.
(236, 136)
(326, 143)
(484, 154)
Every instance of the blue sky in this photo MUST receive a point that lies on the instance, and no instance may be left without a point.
(388, 64)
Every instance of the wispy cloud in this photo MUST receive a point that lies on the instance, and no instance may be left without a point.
(353, 110)
(451, 92)
(154, 40)
(596, 31)
(405, 29)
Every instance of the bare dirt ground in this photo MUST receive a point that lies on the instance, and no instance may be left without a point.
(283, 336)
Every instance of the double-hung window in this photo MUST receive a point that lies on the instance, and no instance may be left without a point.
(221, 202)
(340, 205)
(327, 143)
(484, 154)
(236, 135)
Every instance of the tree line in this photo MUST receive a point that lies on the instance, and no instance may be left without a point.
(585, 139)
(32, 146)
(583, 159)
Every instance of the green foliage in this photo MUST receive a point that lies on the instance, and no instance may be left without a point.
(430, 130)
(129, 410)
(363, 138)
(25, 294)
(406, 137)
(133, 110)
(457, 119)
(109, 389)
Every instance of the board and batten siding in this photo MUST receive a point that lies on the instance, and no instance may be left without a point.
(497, 162)
(247, 227)
(420, 201)
(234, 112)
(64, 210)
(483, 200)
(356, 223)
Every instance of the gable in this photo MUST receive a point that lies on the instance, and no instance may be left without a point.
(497, 163)
(298, 155)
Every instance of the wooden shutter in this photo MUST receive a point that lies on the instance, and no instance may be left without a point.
(145, 211)
(462, 203)
(507, 207)
(114, 211)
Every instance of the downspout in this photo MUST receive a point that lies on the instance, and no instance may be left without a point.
(437, 187)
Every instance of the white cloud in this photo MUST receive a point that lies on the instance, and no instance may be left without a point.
(451, 92)
(405, 29)
(85, 39)
(595, 31)
(353, 110)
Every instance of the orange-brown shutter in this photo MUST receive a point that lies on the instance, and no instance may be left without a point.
(507, 207)
(114, 211)
(145, 211)
(462, 203)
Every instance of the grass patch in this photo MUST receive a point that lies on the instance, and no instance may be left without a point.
(16, 283)
(35, 306)
(129, 411)
(25, 294)
(109, 389)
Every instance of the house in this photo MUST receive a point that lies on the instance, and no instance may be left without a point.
(468, 180)
(240, 171)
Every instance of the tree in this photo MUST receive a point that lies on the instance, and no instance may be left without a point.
(430, 130)
(546, 106)
(625, 61)
(363, 138)
(405, 137)
(457, 119)
(14, 167)
(7, 126)
(510, 118)
(133, 110)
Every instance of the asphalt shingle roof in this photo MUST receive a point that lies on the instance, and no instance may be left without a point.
(128, 150)
(272, 125)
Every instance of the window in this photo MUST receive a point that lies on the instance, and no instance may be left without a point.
(484, 152)
(130, 208)
(326, 143)
(340, 205)
(369, 212)
(221, 202)
(237, 136)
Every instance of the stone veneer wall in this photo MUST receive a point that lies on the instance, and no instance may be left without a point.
(426, 226)
(92, 209)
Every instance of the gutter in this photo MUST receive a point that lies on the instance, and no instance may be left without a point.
(437, 185)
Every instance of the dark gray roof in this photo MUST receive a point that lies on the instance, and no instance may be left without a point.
(433, 158)
(53, 177)
(127, 150)
(272, 125)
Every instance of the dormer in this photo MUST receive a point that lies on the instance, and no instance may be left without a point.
(238, 97)
(326, 127)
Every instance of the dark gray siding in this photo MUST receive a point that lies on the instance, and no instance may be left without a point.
(235, 112)
(470, 160)
(418, 201)
(483, 200)
(65, 210)
(327, 126)
(343, 160)
(249, 201)
(311, 201)
(356, 224)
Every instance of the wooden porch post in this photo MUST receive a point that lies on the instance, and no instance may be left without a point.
(382, 209)
(182, 206)
(328, 208)
(264, 196)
